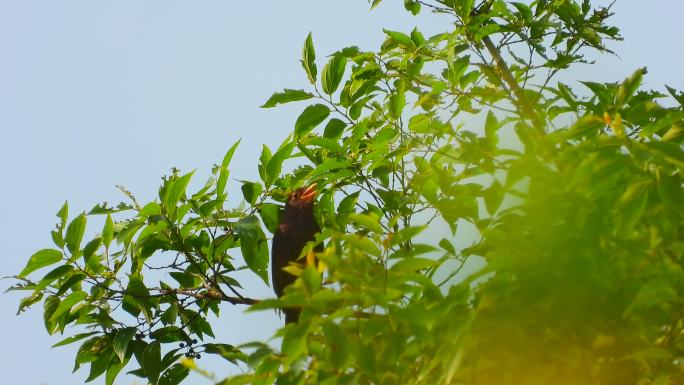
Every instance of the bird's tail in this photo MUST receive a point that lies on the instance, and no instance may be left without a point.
(291, 315)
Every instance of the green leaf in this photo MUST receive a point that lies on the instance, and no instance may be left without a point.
(30, 300)
(169, 334)
(72, 282)
(311, 279)
(406, 234)
(347, 204)
(40, 259)
(185, 279)
(294, 341)
(63, 214)
(601, 91)
(174, 375)
(251, 191)
(57, 272)
(309, 59)
(311, 117)
(74, 233)
(113, 370)
(332, 74)
(629, 87)
(588, 125)
(426, 124)
(334, 128)
(678, 96)
(288, 95)
(151, 362)
(524, 10)
(174, 192)
(458, 68)
(263, 160)
(226, 351)
(92, 260)
(327, 166)
(49, 306)
(108, 232)
(170, 315)
(253, 245)
(397, 101)
(121, 340)
(338, 344)
(367, 221)
(399, 37)
(493, 197)
(412, 6)
(73, 339)
(70, 301)
(406, 265)
(485, 31)
(447, 246)
(361, 243)
(270, 215)
(223, 173)
(492, 126)
(275, 164)
(99, 364)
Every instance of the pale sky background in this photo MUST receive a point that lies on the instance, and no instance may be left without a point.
(94, 94)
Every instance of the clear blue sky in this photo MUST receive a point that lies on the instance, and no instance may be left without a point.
(94, 94)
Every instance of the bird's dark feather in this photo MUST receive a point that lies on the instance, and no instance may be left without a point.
(298, 227)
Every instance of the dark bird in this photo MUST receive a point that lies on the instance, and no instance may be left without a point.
(297, 227)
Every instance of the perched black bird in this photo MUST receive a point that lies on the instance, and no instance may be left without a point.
(298, 226)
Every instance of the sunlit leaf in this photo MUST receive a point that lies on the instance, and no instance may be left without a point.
(40, 259)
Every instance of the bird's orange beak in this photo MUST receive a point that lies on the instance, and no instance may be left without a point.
(309, 193)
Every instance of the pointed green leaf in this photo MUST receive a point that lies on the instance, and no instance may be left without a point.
(286, 96)
(151, 362)
(412, 6)
(174, 192)
(294, 341)
(63, 214)
(332, 73)
(309, 59)
(275, 164)
(113, 370)
(74, 233)
(251, 191)
(629, 87)
(399, 37)
(311, 117)
(396, 104)
(54, 274)
(49, 306)
(367, 221)
(223, 173)
(121, 340)
(174, 375)
(334, 128)
(253, 245)
(108, 232)
(406, 265)
(73, 339)
(67, 303)
(270, 213)
(169, 334)
(42, 258)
